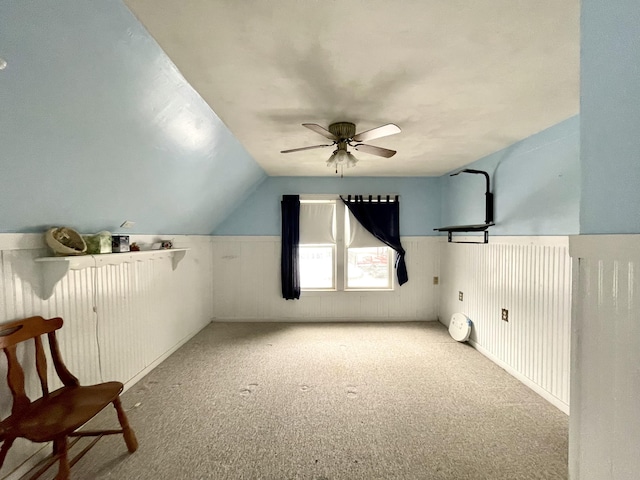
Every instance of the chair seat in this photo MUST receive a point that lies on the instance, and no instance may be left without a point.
(61, 412)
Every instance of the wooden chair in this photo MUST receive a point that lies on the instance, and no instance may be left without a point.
(55, 415)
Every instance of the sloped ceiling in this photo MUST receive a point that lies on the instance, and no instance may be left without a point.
(97, 126)
(462, 79)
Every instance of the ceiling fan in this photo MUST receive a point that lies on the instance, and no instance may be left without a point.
(344, 134)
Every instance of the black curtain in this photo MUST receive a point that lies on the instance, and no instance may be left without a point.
(290, 270)
(382, 220)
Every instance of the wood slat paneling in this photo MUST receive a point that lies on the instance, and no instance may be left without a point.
(605, 383)
(119, 319)
(531, 278)
(247, 286)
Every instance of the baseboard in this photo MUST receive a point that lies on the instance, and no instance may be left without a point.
(31, 462)
(319, 320)
(44, 452)
(136, 378)
(560, 405)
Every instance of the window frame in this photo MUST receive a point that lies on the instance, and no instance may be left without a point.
(341, 251)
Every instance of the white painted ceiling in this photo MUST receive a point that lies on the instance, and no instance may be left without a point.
(462, 79)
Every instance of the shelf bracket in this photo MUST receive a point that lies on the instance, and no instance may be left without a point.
(488, 217)
(178, 255)
(51, 275)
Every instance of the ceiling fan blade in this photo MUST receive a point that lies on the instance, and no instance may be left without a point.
(321, 130)
(373, 150)
(306, 148)
(382, 131)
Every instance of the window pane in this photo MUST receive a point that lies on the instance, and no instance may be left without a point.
(369, 267)
(317, 223)
(356, 235)
(316, 266)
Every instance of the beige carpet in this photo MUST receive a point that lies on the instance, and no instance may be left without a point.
(332, 401)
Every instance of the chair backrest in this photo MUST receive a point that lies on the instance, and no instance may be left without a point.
(13, 333)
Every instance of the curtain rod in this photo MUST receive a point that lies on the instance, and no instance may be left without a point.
(374, 198)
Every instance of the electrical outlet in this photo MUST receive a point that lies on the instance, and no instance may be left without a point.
(460, 296)
(436, 280)
(127, 224)
(505, 314)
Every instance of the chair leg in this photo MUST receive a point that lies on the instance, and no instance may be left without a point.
(60, 448)
(6, 445)
(127, 432)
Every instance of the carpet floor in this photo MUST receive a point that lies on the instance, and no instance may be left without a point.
(331, 401)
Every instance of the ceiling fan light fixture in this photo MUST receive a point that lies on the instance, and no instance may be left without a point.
(342, 157)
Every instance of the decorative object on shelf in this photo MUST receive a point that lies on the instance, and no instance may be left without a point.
(488, 220)
(120, 243)
(98, 243)
(134, 247)
(166, 244)
(65, 241)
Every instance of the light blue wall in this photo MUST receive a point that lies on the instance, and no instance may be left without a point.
(260, 213)
(610, 111)
(98, 126)
(536, 183)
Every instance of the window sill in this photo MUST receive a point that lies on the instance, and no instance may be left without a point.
(369, 290)
(318, 293)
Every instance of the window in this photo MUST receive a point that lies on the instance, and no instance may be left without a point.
(317, 267)
(318, 244)
(369, 268)
(337, 253)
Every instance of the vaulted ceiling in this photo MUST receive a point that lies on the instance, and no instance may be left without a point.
(461, 79)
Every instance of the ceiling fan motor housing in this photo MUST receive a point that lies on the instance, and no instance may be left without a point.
(343, 130)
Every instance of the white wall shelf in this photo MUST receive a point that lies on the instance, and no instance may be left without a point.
(55, 268)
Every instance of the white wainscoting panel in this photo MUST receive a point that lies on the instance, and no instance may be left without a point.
(120, 320)
(604, 428)
(247, 286)
(531, 278)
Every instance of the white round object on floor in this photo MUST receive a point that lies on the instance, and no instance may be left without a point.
(460, 327)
